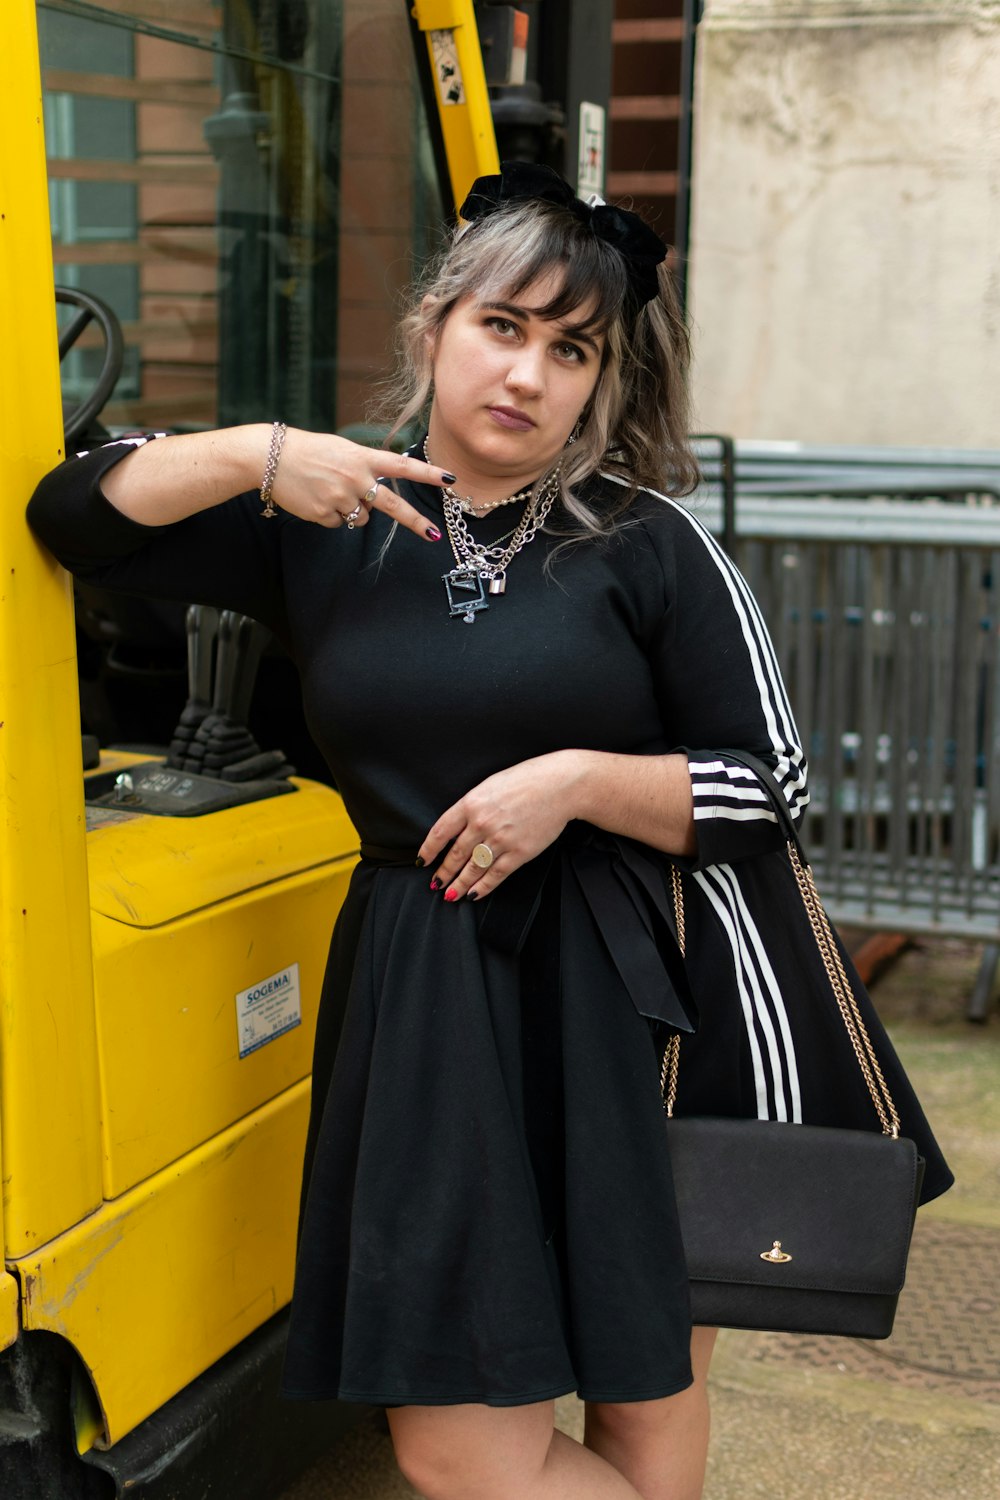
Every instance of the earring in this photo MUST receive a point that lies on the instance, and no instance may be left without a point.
(578, 428)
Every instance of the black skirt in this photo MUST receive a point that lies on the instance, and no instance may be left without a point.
(488, 1210)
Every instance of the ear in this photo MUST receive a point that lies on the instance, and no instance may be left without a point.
(427, 304)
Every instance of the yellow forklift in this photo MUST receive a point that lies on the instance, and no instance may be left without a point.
(166, 917)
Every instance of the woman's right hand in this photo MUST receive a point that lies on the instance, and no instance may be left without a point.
(319, 477)
(324, 479)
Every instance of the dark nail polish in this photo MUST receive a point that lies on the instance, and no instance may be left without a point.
(433, 533)
(472, 895)
(435, 884)
(449, 478)
(419, 862)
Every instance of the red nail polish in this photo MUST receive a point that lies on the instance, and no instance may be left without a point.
(433, 533)
(435, 884)
(451, 895)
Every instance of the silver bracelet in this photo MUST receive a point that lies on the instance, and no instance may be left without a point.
(271, 468)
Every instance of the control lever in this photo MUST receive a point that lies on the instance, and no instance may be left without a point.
(218, 740)
(222, 745)
(251, 640)
(202, 627)
(227, 661)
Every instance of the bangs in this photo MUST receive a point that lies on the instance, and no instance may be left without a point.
(514, 249)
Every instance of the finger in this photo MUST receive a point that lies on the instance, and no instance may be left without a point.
(358, 515)
(454, 860)
(403, 466)
(448, 870)
(459, 872)
(472, 884)
(399, 510)
(448, 827)
(488, 881)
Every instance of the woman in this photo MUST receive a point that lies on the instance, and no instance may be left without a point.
(488, 1218)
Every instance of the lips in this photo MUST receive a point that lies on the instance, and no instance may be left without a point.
(511, 418)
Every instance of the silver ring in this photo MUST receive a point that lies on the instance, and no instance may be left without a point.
(370, 495)
(482, 856)
(352, 515)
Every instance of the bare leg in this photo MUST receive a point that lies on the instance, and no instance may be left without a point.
(660, 1446)
(475, 1452)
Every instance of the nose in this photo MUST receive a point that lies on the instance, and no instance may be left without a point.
(527, 372)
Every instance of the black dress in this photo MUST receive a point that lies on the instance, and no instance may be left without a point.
(487, 1209)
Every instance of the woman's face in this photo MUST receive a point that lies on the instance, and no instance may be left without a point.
(509, 386)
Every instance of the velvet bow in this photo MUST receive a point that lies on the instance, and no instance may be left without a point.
(518, 182)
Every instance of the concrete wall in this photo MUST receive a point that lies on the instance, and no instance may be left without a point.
(846, 221)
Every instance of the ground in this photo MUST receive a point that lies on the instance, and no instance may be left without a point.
(914, 1417)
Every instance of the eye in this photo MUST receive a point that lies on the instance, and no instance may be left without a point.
(502, 326)
(571, 352)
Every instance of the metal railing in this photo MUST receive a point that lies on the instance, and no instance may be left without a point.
(777, 469)
(885, 615)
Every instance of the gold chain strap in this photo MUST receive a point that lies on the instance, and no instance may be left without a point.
(839, 983)
(844, 996)
(672, 1051)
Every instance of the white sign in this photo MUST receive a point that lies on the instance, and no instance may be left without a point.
(446, 68)
(268, 1009)
(590, 167)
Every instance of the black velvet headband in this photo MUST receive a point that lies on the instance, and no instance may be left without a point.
(641, 249)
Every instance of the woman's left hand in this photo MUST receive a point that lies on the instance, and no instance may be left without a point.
(516, 813)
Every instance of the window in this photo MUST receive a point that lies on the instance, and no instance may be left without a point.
(248, 186)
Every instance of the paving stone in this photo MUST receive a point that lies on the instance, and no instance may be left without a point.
(947, 1332)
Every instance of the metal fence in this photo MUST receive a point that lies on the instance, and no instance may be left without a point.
(775, 469)
(885, 615)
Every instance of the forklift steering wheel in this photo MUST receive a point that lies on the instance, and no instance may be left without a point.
(78, 419)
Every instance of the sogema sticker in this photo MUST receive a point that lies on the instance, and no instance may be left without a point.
(268, 1009)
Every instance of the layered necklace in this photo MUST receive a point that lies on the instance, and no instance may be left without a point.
(481, 570)
(470, 507)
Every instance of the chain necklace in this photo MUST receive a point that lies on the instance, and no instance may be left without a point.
(469, 506)
(479, 568)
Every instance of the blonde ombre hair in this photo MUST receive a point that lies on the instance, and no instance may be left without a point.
(635, 423)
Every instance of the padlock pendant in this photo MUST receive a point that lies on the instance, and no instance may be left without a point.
(498, 585)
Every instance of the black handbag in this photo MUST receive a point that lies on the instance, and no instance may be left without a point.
(787, 1227)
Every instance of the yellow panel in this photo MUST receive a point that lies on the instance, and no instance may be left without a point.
(176, 865)
(441, 15)
(154, 1287)
(114, 760)
(48, 1058)
(10, 1323)
(171, 1073)
(467, 129)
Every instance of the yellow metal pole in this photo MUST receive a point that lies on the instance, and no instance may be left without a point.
(10, 1323)
(48, 1054)
(463, 99)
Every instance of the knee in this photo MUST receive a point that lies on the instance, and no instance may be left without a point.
(634, 1424)
(627, 1422)
(440, 1470)
(426, 1466)
(471, 1452)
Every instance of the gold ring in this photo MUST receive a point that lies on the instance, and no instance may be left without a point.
(482, 856)
(370, 495)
